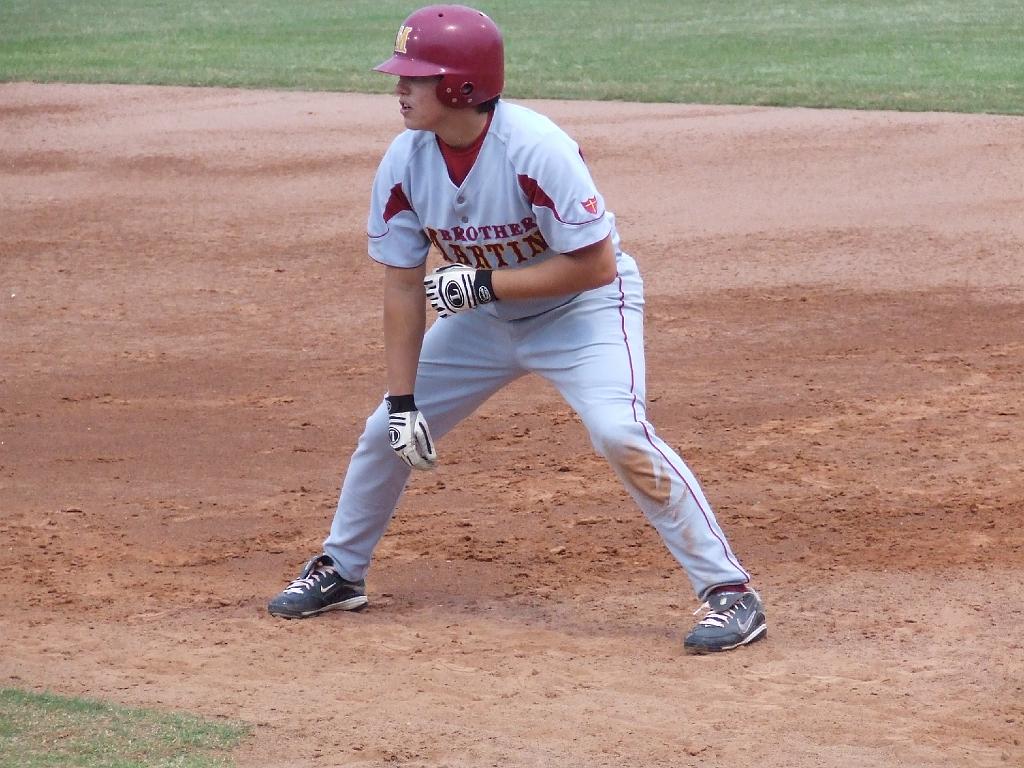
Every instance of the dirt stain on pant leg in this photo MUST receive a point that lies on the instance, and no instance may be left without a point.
(642, 469)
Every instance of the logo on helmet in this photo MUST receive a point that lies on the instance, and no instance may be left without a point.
(402, 41)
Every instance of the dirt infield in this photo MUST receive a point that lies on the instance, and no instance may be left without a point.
(836, 346)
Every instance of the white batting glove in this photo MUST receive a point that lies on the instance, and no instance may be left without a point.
(456, 288)
(409, 434)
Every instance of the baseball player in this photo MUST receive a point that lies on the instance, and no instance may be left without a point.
(534, 281)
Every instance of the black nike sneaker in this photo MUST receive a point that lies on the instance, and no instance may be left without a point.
(732, 619)
(319, 588)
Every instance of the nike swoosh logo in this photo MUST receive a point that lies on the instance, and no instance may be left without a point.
(750, 620)
(330, 587)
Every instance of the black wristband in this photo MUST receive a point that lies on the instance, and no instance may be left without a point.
(400, 403)
(482, 286)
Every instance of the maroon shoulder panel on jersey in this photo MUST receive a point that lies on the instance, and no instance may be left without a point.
(397, 203)
(536, 195)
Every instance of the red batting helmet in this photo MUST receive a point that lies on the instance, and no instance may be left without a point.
(460, 44)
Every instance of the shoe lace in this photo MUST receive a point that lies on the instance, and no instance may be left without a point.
(318, 574)
(716, 618)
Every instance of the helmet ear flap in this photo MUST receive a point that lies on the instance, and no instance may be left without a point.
(452, 93)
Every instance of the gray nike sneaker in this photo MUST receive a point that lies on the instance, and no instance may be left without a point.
(732, 619)
(319, 588)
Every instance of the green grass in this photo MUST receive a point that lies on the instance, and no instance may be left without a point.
(46, 731)
(945, 55)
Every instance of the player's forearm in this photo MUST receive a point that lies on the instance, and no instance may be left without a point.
(581, 270)
(404, 323)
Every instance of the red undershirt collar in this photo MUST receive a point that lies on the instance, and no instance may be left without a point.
(460, 161)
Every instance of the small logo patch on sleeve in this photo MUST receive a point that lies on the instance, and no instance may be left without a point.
(590, 205)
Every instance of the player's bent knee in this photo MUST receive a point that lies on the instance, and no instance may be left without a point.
(629, 449)
(617, 439)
